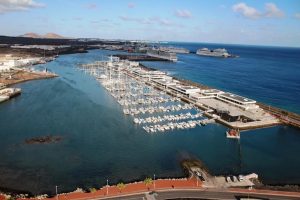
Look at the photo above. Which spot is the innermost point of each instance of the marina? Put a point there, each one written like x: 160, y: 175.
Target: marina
x: 141, y: 100
x: 144, y: 91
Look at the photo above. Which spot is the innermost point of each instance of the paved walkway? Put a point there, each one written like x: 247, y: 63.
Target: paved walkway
x: 268, y: 192
x: 158, y: 185
x: 131, y: 188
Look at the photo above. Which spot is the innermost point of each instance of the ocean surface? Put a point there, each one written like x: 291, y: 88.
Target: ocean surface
x: 100, y: 143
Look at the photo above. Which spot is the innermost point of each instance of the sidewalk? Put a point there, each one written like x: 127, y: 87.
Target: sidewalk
x: 130, y: 188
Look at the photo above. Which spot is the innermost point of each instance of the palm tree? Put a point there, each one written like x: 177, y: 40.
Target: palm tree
x: 92, y: 190
x: 148, y: 181
x: 121, y: 186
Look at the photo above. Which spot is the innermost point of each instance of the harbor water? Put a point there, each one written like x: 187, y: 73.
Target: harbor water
x: 99, y: 142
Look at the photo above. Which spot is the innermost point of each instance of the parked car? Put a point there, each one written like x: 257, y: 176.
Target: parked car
x: 228, y: 180
x: 235, y: 179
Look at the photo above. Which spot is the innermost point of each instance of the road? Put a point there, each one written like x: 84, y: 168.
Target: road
x: 203, y: 194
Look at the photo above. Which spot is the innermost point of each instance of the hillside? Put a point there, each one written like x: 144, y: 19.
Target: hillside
x: 46, y: 36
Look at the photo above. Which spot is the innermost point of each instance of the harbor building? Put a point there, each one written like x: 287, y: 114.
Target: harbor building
x: 165, y: 83
x: 150, y: 75
x: 184, y: 89
x: 205, y: 94
x: 237, y: 100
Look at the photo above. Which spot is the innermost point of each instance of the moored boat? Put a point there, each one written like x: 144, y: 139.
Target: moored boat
x: 233, y: 134
x: 162, y: 54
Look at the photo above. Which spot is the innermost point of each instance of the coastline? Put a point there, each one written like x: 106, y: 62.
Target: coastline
x: 157, y: 185
x: 176, y: 78
x: 23, y: 75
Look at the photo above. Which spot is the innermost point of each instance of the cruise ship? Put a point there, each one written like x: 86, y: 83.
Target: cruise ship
x: 162, y: 54
x: 174, y: 49
x: 215, y: 53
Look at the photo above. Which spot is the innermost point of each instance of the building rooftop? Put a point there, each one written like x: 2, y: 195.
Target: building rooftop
x: 211, y: 91
x: 237, y: 98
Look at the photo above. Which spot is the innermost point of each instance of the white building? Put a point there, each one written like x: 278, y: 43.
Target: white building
x: 165, y: 83
x: 185, y: 90
x: 151, y: 75
x: 237, y: 100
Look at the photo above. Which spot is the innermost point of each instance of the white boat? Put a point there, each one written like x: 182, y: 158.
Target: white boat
x: 214, y: 53
x: 233, y: 134
x: 162, y: 54
x: 174, y: 49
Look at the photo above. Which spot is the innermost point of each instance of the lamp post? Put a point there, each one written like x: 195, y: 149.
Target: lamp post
x: 154, y: 181
x: 56, y: 192
x: 106, y: 186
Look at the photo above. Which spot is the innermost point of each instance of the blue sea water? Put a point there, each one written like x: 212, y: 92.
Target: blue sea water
x: 266, y: 74
x: 100, y: 143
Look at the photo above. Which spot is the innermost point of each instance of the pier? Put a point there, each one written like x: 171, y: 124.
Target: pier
x: 18, y: 75
x: 139, y: 57
x: 286, y: 117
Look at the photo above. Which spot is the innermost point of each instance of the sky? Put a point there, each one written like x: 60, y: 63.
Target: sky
x: 252, y: 22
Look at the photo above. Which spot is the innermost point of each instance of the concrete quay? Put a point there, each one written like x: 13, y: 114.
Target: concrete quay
x: 262, y: 118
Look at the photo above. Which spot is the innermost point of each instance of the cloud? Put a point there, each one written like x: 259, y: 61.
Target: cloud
x: 183, y: 13
x: 297, y: 15
x: 91, y: 6
x: 246, y: 10
x: 77, y: 18
x: 165, y: 22
x: 102, y: 21
x: 151, y: 20
x: 271, y: 11
x: 138, y: 20
x: 18, y: 5
x: 131, y: 5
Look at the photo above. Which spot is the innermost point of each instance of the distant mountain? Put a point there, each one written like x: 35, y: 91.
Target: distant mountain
x: 47, y: 36
x: 31, y: 35
x: 53, y: 36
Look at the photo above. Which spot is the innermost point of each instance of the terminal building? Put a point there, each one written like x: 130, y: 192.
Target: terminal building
x: 237, y: 100
x: 165, y: 83
x: 205, y: 94
x: 151, y: 75
x: 184, y: 90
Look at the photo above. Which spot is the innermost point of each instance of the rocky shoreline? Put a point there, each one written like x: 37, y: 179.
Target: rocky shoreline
x: 48, y: 139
